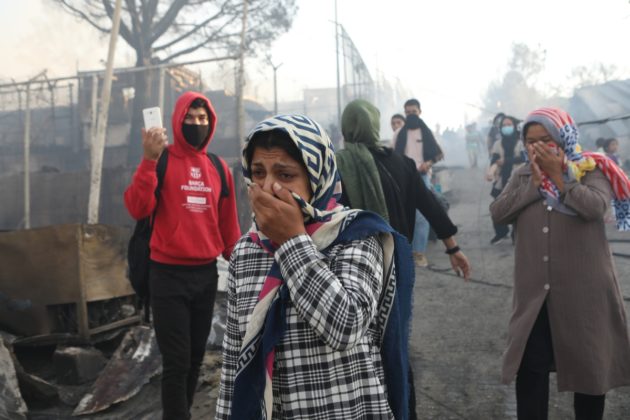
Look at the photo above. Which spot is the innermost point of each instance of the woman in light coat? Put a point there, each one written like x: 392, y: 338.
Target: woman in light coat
x: 505, y: 158
x: 568, y: 313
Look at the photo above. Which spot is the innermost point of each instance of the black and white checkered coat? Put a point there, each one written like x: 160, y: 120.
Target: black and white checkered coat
x: 328, y: 364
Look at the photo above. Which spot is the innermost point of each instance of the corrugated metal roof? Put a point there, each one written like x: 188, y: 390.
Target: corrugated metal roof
x: 598, y: 102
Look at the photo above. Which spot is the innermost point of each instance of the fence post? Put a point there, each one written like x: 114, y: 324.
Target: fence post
x: 161, y: 90
x: 94, y: 112
x: 27, y: 159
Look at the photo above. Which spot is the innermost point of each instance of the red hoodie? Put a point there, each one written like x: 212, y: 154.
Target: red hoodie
x: 193, y: 224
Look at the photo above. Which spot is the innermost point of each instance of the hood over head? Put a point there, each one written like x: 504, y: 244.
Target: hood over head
x: 179, y: 115
x: 360, y: 123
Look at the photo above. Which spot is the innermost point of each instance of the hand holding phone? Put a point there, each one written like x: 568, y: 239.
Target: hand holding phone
x: 153, y: 134
x: 152, y: 117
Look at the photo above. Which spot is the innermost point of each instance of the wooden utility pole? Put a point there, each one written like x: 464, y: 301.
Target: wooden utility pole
x: 98, y: 142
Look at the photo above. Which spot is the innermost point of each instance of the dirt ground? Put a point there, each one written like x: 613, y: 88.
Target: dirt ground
x: 460, y: 329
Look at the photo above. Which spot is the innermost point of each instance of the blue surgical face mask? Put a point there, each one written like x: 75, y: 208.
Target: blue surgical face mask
x: 507, y: 130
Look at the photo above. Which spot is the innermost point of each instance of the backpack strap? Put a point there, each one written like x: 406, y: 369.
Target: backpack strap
x: 216, y: 161
x: 161, y: 171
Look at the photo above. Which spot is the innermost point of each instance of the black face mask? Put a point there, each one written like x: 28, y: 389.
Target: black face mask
x: 195, y: 135
x: 412, y: 122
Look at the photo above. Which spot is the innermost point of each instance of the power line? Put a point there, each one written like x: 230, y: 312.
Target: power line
x: 605, y: 120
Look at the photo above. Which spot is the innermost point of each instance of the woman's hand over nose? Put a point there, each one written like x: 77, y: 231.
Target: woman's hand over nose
x: 278, y: 215
x: 550, y: 162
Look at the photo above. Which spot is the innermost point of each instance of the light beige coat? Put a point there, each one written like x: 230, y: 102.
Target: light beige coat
x: 567, y: 261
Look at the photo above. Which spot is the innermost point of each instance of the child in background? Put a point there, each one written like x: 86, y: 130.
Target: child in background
x: 599, y: 145
x: 611, y: 149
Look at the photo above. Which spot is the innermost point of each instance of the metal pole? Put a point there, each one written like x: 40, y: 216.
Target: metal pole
x: 27, y: 152
x: 71, y: 102
x: 123, y: 70
x: 275, y: 85
x: 99, y: 144
x: 338, y: 77
x: 161, y: 89
x: 275, y: 92
x: 94, y: 113
x: 27, y: 160
x: 240, y: 108
x: 51, y: 88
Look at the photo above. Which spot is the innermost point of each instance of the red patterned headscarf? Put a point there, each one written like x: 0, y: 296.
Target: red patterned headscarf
x: 565, y: 134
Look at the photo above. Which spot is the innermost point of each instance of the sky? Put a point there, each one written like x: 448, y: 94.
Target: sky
x: 444, y: 52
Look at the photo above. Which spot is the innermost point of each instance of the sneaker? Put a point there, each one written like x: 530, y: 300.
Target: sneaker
x: 497, y: 239
x: 420, y: 260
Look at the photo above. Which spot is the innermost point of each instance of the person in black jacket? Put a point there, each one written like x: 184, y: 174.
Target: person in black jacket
x: 381, y: 180
x: 386, y: 182
x: 416, y: 140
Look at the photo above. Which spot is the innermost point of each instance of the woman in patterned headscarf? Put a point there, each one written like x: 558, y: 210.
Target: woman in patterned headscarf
x: 568, y: 313
x: 319, y: 296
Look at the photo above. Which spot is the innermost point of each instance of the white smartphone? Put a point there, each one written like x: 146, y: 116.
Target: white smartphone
x: 152, y: 117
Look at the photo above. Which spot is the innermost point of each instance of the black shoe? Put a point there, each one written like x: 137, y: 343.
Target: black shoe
x: 497, y: 239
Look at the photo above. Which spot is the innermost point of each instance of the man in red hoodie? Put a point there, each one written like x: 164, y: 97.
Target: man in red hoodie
x: 193, y: 225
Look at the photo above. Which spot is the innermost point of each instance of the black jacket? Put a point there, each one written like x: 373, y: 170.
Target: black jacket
x: 405, y: 192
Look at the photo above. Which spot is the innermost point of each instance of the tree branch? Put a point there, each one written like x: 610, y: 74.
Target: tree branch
x: 83, y: 16
x: 137, y: 28
x: 185, y: 51
x: 167, y: 20
x: 149, y: 10
x: 187, y: 34
x: 124, y: 31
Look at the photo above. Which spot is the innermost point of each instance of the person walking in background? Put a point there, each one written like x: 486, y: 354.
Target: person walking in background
x: 494, y: 134
x: 505, y: 157
x: 192, y: 226
x: 378, y: 179
x: 319, y: 296
x: 611, y: 149
x: 599, y: 145
x: 415, y: 140
x: 397, y: 121
x: 474, y: 144
x: 568, y: 313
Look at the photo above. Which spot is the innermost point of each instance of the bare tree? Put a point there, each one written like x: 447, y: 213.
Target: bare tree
x: 516, y: 93
x: 161, y: 30
x: 594, y: 74
x: 529, y: 62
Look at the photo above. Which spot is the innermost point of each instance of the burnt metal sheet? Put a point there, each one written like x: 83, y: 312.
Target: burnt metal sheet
x: 48, y: 267
x: 12, y: 406
x: 134, y: 363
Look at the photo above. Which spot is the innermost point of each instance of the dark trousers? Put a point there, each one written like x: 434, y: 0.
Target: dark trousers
x: 182, y: 300
x: 532, y: 379
x: 501, y: 230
